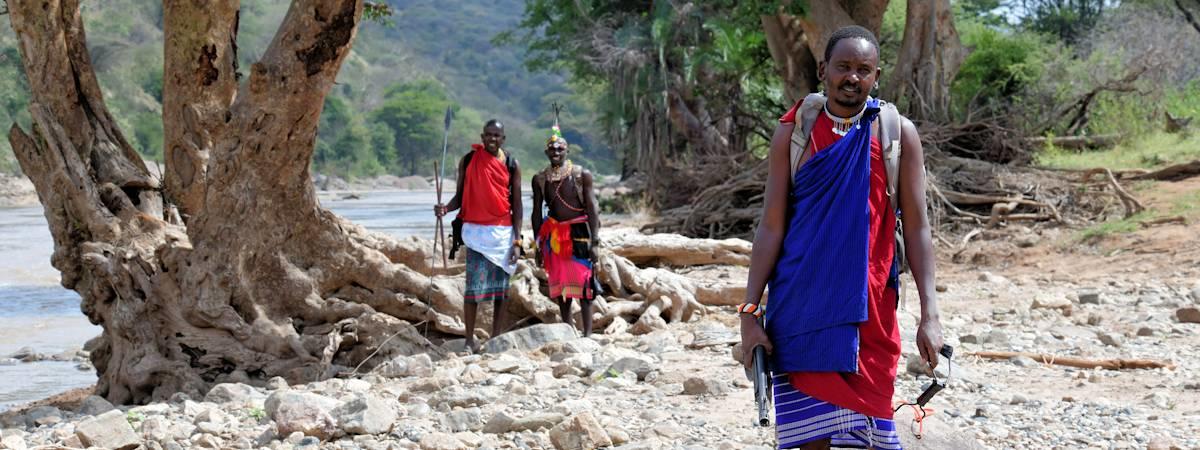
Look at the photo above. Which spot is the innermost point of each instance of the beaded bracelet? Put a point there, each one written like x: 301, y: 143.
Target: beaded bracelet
x: 752, y: 309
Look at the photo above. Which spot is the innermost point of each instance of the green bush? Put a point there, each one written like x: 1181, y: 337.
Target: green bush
x: 148, y: 135
x: 1001, y: 64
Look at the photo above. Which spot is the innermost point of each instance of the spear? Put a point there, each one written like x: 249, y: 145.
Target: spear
x: 440, y: 171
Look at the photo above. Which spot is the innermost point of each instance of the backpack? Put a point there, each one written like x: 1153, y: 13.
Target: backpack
x: 889, y: 137
x: 456, y: 225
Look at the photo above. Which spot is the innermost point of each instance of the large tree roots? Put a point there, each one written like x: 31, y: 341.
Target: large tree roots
x: 643, y: 298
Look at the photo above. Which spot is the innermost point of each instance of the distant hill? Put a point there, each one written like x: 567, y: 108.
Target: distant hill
x: 430, y: 54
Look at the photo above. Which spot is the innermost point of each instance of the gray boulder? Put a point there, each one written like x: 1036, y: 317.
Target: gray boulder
x: 530, y: 338
x: 108, y: 430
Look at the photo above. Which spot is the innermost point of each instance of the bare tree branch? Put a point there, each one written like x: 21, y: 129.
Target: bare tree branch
x: 1188, y: 15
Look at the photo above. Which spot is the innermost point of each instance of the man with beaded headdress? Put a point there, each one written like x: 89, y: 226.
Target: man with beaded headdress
x: 566, y: 231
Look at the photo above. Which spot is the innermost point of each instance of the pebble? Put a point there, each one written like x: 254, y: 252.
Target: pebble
x: 1089, y: 297
x: 704, y: 386
x: 1188, y: 314
x: 1111, y: 339
x: 1024, y: 361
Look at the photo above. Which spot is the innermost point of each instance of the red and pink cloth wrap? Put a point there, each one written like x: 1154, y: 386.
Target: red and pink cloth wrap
x: 569, y: 270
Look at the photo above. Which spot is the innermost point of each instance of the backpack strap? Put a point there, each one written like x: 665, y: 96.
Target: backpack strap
x: 889, y: 137
x: 510, y: 163
x: 810, y: 108
x: 577, y: 179
x: 466, y: 166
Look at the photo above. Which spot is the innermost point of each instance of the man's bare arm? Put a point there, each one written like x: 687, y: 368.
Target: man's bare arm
x: 918, y: 240
x: 772, y: 226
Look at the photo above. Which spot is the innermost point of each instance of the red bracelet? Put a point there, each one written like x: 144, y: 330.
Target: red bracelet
x: 752, y: 309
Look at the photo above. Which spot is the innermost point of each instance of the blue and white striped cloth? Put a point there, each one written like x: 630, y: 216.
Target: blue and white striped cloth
x: 800, y: 418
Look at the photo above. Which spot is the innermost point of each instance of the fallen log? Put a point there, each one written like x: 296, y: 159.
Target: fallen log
x: 1077, y: 142
x: 1163, y: 220
x: 962, y: 198
x: 1109, y: 364
x: 675, y: 250
x: 1172, y: 173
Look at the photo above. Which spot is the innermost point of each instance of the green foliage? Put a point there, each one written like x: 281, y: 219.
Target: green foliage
x: 14, y: 98
x: 400, y: 41
x: 1001, y: 65
x: 1128, y: 114
x: 134, y: 418
x: 147, y: 134
x: 711, y: 56
x: 1122, y: 226
x: 986, y: 12
x: 414, y: 113
x: 345, y: 144
x: 1069, y: 20
x: 891, y: 35
x: 378, y: 12
x: 1146, y: 151
x: 256, y: 413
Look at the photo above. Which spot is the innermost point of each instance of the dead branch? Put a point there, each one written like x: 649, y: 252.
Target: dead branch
x: 1077, y: 142
x: 1109, y: 364
x: 1163, y: 220
x: 1080, y: 106
x: 1173, y: 173
x: 1132, y: 205
x: 1188, y: 15
x: 1177, y: 124
x: 937, y: 192
x: 967, y: 239
x: 960, y: 198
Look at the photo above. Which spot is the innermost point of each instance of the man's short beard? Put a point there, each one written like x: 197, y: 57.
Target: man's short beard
x: 849, y: 104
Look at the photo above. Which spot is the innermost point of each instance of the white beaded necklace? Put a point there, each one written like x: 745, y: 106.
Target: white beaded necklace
x: 841, y: 126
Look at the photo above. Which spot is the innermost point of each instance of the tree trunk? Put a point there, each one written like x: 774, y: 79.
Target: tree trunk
x: 822, y: 18
x: 258, y: 281
x: 793, y: 60
x: 797, y: 44
x: 695, y: 124
x: 930, y: 56
x: 199, y: 84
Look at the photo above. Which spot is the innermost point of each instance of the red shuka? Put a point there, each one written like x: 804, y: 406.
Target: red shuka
x: 485, y: 195
x: 870, y: 390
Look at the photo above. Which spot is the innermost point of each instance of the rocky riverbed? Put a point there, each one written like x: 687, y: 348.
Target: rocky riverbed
x: 676, y: 385
x: 679, y: 387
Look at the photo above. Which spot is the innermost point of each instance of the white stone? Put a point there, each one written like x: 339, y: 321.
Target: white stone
x: 108, y: 430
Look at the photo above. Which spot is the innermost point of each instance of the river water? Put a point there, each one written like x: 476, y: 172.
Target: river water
x: 36, y: 312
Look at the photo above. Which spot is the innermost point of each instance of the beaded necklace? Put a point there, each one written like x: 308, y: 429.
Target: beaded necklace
x: 556, y: 176
x: 841, y: 126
